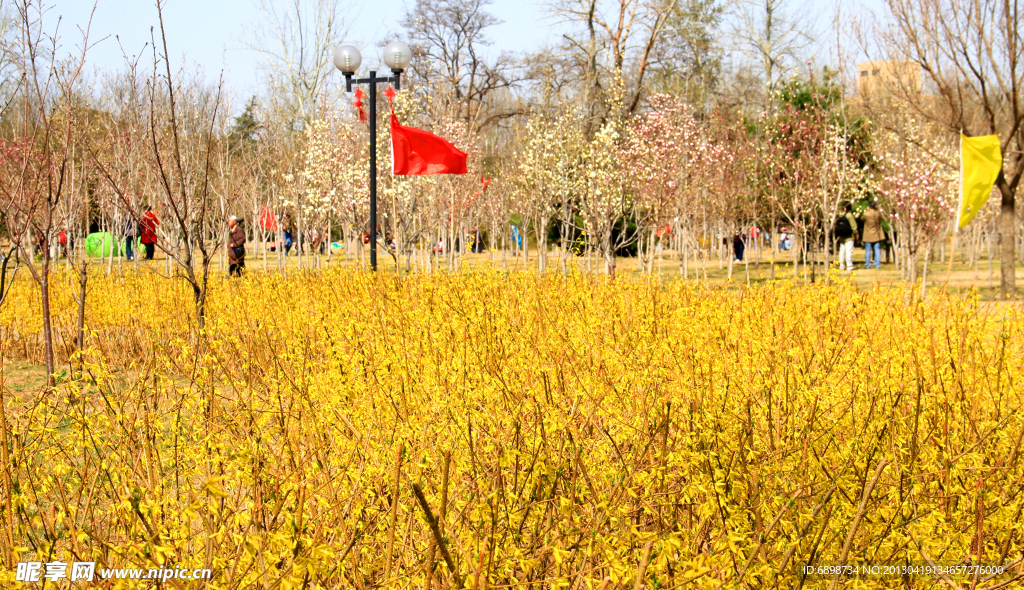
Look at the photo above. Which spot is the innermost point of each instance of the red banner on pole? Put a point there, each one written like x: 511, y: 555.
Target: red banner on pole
x: 416, y: 152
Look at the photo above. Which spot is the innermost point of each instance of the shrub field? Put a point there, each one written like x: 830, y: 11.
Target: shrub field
x: 481, y: 430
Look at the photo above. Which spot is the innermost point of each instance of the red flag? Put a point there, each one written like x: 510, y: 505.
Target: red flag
x: 267, y: 219
x: 417, y: 152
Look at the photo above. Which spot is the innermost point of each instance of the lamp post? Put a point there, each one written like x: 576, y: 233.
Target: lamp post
x: 347, y: 59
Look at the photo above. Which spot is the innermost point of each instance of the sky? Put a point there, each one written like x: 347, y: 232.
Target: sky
x: 213, y: 34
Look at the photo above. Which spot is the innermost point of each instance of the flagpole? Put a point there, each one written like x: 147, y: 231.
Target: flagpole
x: 372, y: 81
x: 347, y: 59
x: 373, y: 170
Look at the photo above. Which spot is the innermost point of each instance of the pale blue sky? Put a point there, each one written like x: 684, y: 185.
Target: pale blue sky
x: 212, y: 33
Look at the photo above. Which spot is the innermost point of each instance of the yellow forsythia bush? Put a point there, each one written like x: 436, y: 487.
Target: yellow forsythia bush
x: 343, y: 430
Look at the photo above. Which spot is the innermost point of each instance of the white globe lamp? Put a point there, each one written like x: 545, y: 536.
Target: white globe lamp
x: 397, y: 56
x: 347, y: 59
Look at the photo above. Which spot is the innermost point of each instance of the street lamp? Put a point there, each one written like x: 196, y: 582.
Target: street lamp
x: 397, y: 56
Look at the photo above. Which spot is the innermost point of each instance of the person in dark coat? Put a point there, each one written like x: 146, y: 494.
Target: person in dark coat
x: 128, y: 232
x: 236, y: 247
x: 738, y: 247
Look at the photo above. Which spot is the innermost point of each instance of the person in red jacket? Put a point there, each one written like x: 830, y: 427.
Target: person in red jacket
x: 148, y: 224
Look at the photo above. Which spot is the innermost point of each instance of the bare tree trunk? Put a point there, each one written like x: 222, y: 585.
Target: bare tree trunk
x: 924, y: 274
x: 1007, y: 258
x: 83, y: 277
x: 44, y: 293
x: 683, y: 245
x: 110, y: 254
x: 795, y: 253
x: 542, y: 246
x: 732, y: 256
x: 812, y: 251
x: 525, y: 237
x: 651, y: 253
x: 990, y: 250
x: 609, y: 254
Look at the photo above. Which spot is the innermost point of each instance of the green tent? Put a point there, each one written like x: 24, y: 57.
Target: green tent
x: 101, y: 243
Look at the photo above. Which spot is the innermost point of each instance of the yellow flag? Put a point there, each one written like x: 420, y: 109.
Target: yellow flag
x: 980, y: 163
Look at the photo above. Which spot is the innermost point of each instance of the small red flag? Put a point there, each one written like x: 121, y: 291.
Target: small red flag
x: 267, y: 219
x: 417, y: 152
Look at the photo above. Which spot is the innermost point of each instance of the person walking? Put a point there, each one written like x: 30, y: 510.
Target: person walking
x: 845, y: 230
x: 39, y: 246
x: 236, y: 247
x: 149, y: 223
x: 738, y: 246
x: 288, y: 231
x: 129, y: 231
x: 872, y: 235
